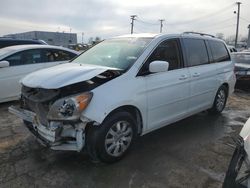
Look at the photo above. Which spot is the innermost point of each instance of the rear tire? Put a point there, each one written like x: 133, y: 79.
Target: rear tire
x: 112, y: 140
x: 27, y: 123
x: 220, y: 100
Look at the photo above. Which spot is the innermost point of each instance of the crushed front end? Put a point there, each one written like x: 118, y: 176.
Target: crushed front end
x: 54, y: 115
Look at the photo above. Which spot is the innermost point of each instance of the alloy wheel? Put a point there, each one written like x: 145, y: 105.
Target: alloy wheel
x: 118, y: 138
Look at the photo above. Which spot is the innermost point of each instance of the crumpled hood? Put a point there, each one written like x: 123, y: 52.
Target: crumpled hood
x: 62, y: 75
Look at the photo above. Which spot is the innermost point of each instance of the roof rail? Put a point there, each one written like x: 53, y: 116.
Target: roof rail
x: 197, y: 33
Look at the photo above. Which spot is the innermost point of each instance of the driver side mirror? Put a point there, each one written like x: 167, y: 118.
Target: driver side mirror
x: 4, y: 64
x: 158, y: 66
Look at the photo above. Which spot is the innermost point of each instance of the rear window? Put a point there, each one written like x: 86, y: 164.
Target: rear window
x: 58, y: 55
x: 196, y: 52
x: 219, y: 51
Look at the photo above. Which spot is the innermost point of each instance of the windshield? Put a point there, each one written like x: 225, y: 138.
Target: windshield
x: 117, y: 53
x: 4, y: 51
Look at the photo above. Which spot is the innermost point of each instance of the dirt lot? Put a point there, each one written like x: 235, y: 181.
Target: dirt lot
x: 190, y: 153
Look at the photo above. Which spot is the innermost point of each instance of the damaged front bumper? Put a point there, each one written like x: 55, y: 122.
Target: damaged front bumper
x: 57, y: 135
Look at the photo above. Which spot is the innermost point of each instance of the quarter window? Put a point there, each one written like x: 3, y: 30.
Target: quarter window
x: 196, y: 52
x: 219, y: 51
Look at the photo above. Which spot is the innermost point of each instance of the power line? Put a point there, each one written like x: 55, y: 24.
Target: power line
x: 139, y: 29
x: 221, y: 28
x: 144, y: 28
x: 204, y: 17
x: 210, y: 16
x: 215, y: 13
x: 244, y: 19
x: 220, y: 22
x: 148, y: 23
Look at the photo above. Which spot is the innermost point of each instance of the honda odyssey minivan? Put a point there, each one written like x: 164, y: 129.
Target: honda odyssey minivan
x: 125, y: 87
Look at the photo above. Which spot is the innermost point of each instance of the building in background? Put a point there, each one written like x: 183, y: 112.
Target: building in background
x: 52, y: 38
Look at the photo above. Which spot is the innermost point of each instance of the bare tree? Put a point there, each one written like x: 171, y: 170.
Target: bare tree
x: 91, y: 40
x: 220, y: 36
x: 230, y: 39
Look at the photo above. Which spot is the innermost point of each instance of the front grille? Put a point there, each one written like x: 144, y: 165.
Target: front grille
x: 40, y: 109
x: 39, y: 101
x: 39, y: 94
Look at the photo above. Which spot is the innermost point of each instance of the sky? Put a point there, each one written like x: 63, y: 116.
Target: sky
x: 109, y: 18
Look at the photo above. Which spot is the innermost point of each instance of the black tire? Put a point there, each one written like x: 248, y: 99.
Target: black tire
x: 98, y: 137
x: 220, y: 100
x: 234, y: 168
x: 27, y: 123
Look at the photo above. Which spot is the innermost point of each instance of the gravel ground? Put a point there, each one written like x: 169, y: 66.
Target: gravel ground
x: 190, y: 153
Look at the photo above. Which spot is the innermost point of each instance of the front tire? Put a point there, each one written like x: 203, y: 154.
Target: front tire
x: 111, y: 141
x: 220, y: 100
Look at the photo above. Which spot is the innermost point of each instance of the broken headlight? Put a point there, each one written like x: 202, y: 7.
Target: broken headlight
x: 69, y: 108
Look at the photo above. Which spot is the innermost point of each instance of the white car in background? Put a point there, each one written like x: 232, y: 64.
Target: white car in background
x: 18, y: 61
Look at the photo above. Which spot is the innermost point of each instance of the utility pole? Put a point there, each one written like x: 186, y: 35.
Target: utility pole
x: 161, y: 25
x: 237, y: 26
x: 248, y: 40
x: 70, y: 35
x: 132, y: 17
x: 82, y: 37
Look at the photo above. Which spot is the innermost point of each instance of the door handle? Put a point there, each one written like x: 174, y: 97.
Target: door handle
x: 183, y: 77
x: 196, y: 74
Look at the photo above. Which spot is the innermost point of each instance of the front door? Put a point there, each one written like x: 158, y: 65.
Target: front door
x: 167, y: 92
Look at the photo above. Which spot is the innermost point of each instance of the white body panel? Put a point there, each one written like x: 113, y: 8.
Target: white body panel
x: 203, y: 85
x: 167, y: 96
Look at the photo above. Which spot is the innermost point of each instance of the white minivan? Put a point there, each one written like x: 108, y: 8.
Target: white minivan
x: 124, y: 87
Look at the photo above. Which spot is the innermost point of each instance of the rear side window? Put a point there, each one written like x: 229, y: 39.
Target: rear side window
x: 219, y: 51
x: 25, y: 57
x: 196, y: 52
x: 58, y: 55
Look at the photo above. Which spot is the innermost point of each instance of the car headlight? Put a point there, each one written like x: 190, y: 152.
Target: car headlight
x: 69, y: 108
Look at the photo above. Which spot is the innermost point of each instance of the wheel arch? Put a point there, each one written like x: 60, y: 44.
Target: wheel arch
x: 227, y: 86
x: 134, y: 111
